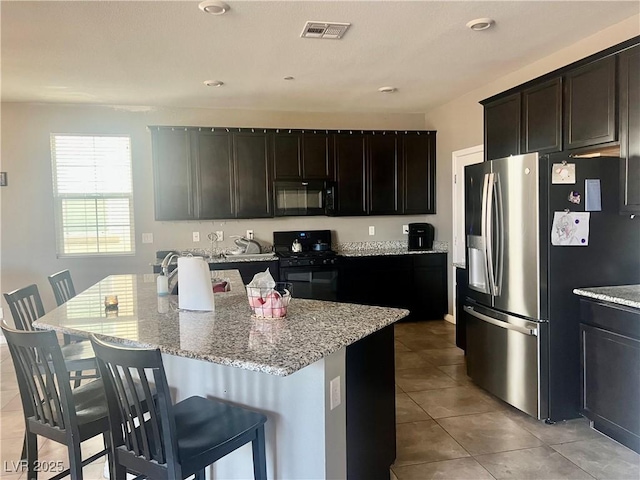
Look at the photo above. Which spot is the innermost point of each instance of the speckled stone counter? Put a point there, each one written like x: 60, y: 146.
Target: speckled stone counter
x: 229, y: 336
x: 371, y: 249
x: 230, y: 259
x: 628, y: 295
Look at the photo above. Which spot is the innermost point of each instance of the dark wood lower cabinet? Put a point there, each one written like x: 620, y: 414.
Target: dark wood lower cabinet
x: 370, y: 402
x: 416, y: 282
x: 462, y: 283
x: 610, y: 360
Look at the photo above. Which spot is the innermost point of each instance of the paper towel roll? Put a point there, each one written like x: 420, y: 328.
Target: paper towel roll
x: 194, y: 285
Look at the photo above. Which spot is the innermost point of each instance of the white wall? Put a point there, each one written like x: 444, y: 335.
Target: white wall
x: 28, y: 236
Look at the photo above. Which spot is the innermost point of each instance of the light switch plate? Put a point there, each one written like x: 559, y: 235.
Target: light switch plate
x: 334, y: 393
x: 405, y: 229
x: 196, y: 236
x: 372, y: 230
x: 147, y: 238
x: 219, y: 235
x: 250, y: 234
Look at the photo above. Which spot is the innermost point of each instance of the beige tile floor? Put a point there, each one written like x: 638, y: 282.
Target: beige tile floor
x: 447, y: 428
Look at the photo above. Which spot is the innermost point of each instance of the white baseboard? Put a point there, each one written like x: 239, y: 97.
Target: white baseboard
x: 450, y: 318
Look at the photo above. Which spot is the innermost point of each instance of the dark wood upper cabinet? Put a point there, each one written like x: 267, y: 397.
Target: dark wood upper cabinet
x: 590, y: 104
x: 302, y: 156
x: 317, y: 160
x: 213, y: 174
x: 350, y: 161
x: 630, y: 130
x: 253, y: 183
x: 419, y: 173
x: 210, y: 173
x: 542, y: 117
x: 502, y: 127
x: 173, y: 174
x: 384, y: 175
x: 287, y: 156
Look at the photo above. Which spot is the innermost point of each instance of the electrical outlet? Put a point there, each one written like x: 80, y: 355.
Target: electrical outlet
x: 405, y: 229
x: 250, y: 234
x: 196, y: 236
x: 149, y: 278
x: 219, y: 235
x: 147, y: 238
x: 334, y: 393
x: 372, y: 230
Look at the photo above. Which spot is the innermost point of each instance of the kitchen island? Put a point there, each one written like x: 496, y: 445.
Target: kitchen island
x: 284, y: 368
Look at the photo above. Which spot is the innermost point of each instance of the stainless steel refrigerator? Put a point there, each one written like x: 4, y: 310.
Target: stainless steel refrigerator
x: 521, y: 316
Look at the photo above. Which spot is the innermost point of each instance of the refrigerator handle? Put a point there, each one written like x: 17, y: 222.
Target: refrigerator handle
x: 499, y: 261
x: 488, y: 232
x: 498, y: 323
x: 486, y: 187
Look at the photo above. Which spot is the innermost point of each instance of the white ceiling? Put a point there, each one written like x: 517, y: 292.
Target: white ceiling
x: 159, y: 53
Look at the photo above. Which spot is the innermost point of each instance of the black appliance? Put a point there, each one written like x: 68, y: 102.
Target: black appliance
x: 303, y: 198
x: 421, y: 236
x: 526, y: 252
x: 312, y: 272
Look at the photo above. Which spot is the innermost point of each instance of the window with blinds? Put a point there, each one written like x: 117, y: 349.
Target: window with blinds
x: 93, y: 194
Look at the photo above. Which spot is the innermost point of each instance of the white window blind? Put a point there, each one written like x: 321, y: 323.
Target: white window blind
x: 93, y: 194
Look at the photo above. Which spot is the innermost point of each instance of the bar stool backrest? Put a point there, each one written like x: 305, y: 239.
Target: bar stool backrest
x: 25, y: 305
x: 62, y: 286
x: 144, y: 430
x: 42, y: 376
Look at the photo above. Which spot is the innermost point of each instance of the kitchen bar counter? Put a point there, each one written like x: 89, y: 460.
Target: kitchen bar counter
x: 229, y: 336
x: 627, y: 295
x: 313, y: 374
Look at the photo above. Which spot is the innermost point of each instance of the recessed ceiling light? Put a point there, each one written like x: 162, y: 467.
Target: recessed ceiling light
x: 480, y: 24
x: 213, y: 83
x: 213, y: 7
x: 387, y: 89
x: 289, y: 77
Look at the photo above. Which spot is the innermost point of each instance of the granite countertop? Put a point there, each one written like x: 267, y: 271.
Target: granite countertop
x: 229, y: 259
x: 229, y: 336
x: 628, y: 295
x: 371, y: 249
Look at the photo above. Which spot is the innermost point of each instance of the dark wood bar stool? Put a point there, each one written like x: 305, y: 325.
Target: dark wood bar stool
x: 172, y: 441
x: 64, y: 290
x: 62, y: 286
x: 26, y: 307
x: 51, y: 408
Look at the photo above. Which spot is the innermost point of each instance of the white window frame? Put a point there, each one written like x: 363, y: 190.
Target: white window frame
x: 60, y: 197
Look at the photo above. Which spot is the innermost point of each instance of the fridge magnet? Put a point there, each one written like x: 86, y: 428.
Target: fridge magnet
x: 563, y: 173
x: 574, y: 197
x: 592, y: 196
x: 570, y: 229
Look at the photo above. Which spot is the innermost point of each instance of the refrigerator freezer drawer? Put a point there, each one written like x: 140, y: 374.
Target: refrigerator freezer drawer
x: 509, y: 360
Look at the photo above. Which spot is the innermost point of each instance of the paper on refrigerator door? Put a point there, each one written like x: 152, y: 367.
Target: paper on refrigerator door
x: 570, y: 229
x: 194, y: 284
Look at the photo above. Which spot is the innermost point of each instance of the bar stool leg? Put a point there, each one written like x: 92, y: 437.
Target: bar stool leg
x: 259, y: 456
x: 31, y: 441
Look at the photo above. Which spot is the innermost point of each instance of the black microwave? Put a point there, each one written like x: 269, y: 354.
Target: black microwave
x: 313, y: 197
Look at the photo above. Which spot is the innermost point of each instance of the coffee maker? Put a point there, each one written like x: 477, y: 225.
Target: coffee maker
x: 420, y: 236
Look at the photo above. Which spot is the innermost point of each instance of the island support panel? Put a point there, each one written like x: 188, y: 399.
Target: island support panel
x: 371, y: 406
x: 305, y: 438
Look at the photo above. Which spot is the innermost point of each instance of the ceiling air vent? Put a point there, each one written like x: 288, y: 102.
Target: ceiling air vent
x: 331, y: 30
